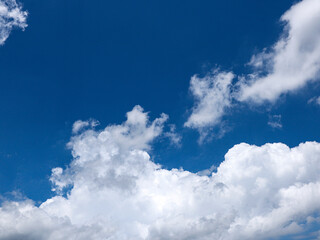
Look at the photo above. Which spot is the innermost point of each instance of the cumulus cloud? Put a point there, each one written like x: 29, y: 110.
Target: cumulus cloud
x: 112, y: 190
x: 11, y: 16
x: 293, y: 61
x: 23, y: 220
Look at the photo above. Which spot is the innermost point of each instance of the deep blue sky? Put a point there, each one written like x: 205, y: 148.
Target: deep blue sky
x: 97, y: 59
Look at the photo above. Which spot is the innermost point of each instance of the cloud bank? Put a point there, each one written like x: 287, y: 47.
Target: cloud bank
x: 291, y: 63
x: 113, y: 190
x: 11, y: 16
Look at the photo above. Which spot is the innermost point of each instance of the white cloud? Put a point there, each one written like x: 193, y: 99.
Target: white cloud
x: 79, y: 125
x: 116, y: 192
x: 11, y: 16
x: 174, y: 137
x: 212, y: 96
x: 23, y: 220
x: 315, y: 100
x: 293, y: 61
x: 275, y: 121
x: 290, y: 64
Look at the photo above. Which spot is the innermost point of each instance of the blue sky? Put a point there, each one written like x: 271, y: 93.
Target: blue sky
x: 82, y: 60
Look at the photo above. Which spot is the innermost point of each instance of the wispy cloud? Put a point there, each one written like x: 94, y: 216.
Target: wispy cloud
x: 174, y: 137
x: 275, y: 121
x: 315, y: 100
x: 11, y: 16
x: 79, y: 125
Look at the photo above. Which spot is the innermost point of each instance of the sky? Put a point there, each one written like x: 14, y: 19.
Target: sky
x: 159, y: 119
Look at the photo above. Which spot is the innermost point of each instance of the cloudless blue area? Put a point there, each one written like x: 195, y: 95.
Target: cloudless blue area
x: 97, y: 59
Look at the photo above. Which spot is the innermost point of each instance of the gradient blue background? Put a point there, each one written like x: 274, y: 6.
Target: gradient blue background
x: 97, y: 59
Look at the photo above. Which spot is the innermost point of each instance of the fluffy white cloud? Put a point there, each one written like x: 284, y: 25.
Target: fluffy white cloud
x: 212, y: 96
x: 115, y: 191
x: 11, y: 15
x: 23, y: 220
x: 293, y: 61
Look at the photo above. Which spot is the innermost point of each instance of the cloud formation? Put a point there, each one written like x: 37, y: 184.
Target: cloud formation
x: 275, y: 121
x: 79, y: 125
x: 314, y: 100
x: 212, y: 96
x: 173, y: 136
x: 112, y: 190
x: 291, y: 63
x: 11, y: 16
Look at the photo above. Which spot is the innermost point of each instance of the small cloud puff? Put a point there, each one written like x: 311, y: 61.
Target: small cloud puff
x: 314, y: 100
x: 275, y: 121
x: 212, y: 95
x: 80, y: 125
x: 174, y: 137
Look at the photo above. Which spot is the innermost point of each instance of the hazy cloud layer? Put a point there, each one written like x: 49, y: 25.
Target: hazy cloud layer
x: 114, y: 191
x: 11, y: 16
